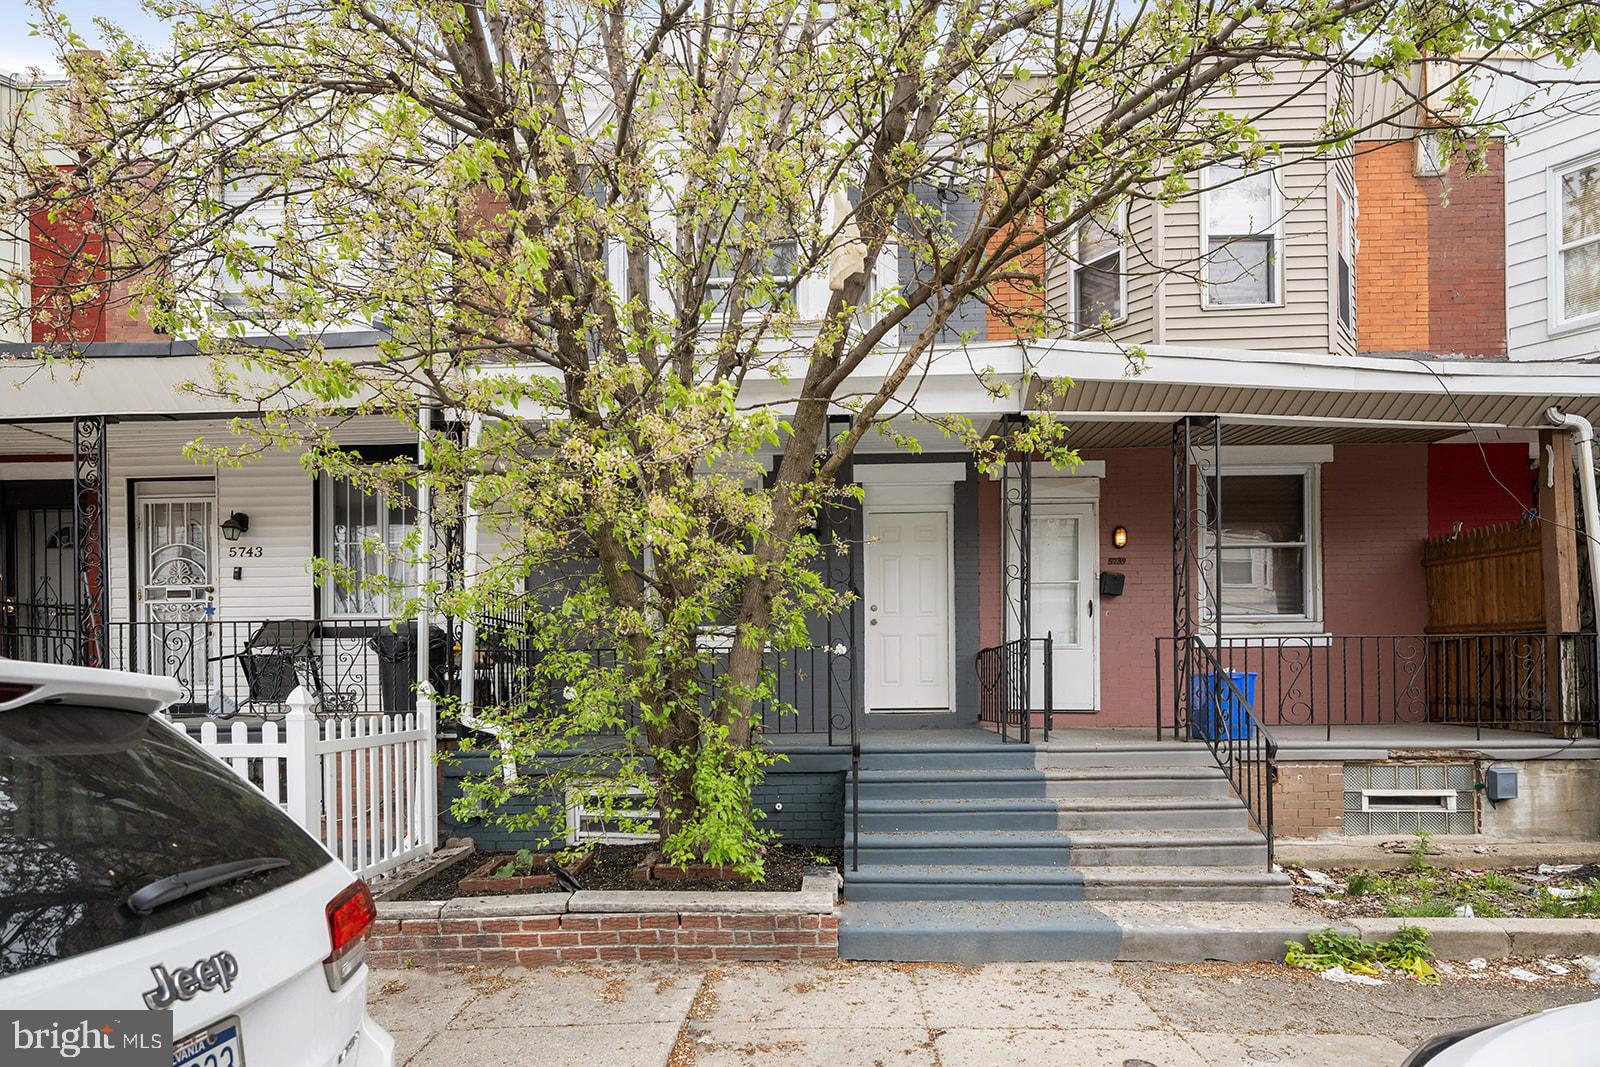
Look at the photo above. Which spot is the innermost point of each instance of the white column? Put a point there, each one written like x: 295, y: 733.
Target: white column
x: 424, y: 791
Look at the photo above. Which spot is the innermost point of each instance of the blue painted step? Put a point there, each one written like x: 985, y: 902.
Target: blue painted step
x: 976, y: 931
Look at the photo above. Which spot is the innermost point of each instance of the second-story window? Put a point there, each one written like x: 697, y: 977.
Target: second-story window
x: 1577, y: 243
x: 771, y: 266
x: 1344, y: 236
x: 257, y: 220
x: 1097, y: 273
x: 1242, y: 236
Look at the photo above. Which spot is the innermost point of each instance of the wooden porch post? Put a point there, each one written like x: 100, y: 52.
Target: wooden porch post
x: 1558, y: 555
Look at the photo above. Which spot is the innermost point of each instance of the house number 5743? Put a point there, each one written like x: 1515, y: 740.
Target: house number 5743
x: 244, y: 551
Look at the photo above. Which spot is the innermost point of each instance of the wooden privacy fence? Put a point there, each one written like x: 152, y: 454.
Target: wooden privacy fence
x: 1495, y: 654
x: 363, y: 786
x: 1486, y: 580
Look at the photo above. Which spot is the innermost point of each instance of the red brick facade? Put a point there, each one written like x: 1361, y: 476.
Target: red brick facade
x: 1431, y: 269
x: 667, y: 937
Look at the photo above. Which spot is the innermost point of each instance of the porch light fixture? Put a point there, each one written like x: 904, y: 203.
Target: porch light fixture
x: 235, y: 525
x: 1119, y: 537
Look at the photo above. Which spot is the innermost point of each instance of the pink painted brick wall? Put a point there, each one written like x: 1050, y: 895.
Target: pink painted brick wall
x: 1374, y: 519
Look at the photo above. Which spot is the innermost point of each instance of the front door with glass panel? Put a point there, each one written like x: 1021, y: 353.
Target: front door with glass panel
x: 1062, y: 552
x: 177, y: 583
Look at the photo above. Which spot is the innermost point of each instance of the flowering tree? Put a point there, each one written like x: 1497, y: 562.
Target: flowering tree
x: 591, y: 231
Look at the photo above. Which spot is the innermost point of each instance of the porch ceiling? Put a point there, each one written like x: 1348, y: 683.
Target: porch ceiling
x: 1268, y: 398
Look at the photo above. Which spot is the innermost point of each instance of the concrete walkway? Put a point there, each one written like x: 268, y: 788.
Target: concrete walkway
x: 1005, y: 1014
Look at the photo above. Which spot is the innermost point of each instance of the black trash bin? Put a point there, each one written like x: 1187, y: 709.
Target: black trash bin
x: 397, y: 665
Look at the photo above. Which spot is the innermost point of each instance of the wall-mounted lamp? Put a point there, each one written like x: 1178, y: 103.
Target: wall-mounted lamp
x: 1119, y: 537
x: 235, y: 525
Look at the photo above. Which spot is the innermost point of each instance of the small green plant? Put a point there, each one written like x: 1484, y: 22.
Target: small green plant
x: 1358, y: 884
x: 1586, y: 905
x: 821, y: 861
x: 521, y: 865
x: 1419, y: 854
x: 1407, y: 953
x: 1495, y: 882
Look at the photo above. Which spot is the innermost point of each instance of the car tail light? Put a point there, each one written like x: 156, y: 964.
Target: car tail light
x: 350, y: 916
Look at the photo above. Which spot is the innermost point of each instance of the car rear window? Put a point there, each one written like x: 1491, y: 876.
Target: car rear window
x: 97, y: 803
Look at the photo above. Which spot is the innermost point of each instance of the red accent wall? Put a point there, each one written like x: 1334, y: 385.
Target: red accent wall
x: 64, y: 252
x: 1463, y: 486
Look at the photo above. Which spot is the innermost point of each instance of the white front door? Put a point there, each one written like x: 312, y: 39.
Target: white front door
x: 1063, y: 550
x: 908, y: 610
x: 177, y: 585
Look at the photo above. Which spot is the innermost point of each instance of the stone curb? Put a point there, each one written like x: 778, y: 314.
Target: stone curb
x: 818, y: 893
x: 1465, y: 939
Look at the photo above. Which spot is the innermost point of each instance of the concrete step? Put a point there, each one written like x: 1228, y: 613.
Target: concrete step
x: 1059, y: 848
x: 1031, y: 813
x: 1149, y: 754
x: 919, y: 783
x: 945, y: 756
x: 1138, y: 782
x: 962, y: 882
x: 959, y: 931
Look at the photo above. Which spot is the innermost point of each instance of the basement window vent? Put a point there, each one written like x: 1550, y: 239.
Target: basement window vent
x: 1408, y: 800
x: 588, y: 819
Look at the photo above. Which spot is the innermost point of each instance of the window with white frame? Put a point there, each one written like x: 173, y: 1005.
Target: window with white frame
x: 257, y: 221
x: 364, y: 534
x: 775, y: 263
x: 1098, y: 290
x: 1344, y: 235
x: 1270, y: 571
x: 1577, y: 243
x: 1243, y: 236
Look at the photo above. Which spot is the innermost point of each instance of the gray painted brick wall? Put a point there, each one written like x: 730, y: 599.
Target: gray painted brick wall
x: 970, y: 317
x: 812, y: 795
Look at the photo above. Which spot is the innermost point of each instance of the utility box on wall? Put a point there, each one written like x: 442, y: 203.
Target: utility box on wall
x: 1500, y: 783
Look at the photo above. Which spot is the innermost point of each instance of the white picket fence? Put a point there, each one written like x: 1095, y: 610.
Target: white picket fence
x: 364, y: 786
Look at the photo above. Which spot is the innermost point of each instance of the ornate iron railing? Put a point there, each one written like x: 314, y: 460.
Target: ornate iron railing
x: 1484, y: 680
x: 1214, y: 708
x: 233, y: 667
x: 1005, y: 688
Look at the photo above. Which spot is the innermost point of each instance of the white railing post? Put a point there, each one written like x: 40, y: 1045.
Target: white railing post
x: 304, y: 778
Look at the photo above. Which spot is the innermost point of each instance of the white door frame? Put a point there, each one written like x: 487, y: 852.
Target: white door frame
x: 1089, y: 531
x: 1081, y: 488
x: 948, y: 509
x: 184, y: 491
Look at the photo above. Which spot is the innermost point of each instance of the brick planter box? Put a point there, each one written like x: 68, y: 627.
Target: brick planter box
x: 482, y: 879
x: 627, y: 926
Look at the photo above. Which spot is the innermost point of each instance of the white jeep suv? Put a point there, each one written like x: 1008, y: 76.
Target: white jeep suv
x: 137, y: 871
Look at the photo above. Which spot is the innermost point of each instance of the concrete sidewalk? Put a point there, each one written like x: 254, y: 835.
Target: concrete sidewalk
x: 1006, y: 1014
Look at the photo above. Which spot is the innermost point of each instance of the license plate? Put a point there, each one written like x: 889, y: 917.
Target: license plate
x: 216, y: 1046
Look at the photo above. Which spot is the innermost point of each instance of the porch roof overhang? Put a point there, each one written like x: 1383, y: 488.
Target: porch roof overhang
x: 1286, y: 398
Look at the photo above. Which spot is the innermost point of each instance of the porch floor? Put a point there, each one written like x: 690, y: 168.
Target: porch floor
x: 1342, y: 742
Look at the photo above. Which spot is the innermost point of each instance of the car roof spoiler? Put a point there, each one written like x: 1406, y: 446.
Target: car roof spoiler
x: 23, y: 684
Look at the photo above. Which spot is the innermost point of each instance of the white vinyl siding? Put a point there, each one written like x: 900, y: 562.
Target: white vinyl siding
x: 1163, y: 293
x: 1559, y: 134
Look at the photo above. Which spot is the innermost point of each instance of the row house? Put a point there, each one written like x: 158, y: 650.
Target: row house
x: 1323, y: 565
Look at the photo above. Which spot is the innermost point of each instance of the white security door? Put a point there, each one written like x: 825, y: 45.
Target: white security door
x: 177, y: 586
x: 908, y: 610
x: 1064, y: 546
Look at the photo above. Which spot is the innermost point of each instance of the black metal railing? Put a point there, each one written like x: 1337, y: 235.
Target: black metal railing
x: 232, y: 667
x: 1219, y: 712
x: 808, y: 691
x: 1485, y: 680
x: 1005, y: 687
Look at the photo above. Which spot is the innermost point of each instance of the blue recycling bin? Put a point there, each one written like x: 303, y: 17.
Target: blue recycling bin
x: 1216, y: 712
